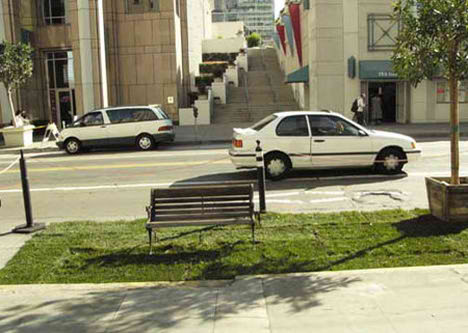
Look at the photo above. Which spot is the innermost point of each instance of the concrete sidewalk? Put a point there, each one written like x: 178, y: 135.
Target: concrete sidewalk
x: 420, y: 299
x: 222, y: 133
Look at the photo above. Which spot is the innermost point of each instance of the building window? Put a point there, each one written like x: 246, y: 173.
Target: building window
x: 443, y: 92
x: 54, y: 11
x: 382, y: 32
x: 142, y: 6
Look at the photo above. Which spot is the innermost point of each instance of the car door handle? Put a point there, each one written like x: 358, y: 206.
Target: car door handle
x: 319, y: 140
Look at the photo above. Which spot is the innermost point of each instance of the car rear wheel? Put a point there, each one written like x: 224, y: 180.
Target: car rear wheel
x: 72, y: 146
x: 277, y: 165
x: 390, y: 161
x: 145, y: 142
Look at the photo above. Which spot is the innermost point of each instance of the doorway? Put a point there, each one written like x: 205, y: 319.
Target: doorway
x: 383, y: 93
x: 66, y: 108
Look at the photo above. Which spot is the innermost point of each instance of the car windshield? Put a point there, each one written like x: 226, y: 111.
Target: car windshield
x: 262, y: 123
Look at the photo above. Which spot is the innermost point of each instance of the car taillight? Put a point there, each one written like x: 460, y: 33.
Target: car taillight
x: 165, y: 128
x: 237, y: 143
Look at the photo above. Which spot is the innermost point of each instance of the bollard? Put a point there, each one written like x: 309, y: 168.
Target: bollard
x: 261, y: 177
x: 29, y: 227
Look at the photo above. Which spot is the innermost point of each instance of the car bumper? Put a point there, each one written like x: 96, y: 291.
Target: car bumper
x: 164, y: 137
x: 413, y: 155
x: 242, y: 160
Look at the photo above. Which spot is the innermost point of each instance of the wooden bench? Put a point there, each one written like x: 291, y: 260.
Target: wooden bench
x: 200, y: 206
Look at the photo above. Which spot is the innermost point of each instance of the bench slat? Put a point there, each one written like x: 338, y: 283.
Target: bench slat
x: 209, y: 205
x: 178, y: 211
x: 195, y: 223
x: 198, y: 199
x: 205, y: 191
x: 194, y: 217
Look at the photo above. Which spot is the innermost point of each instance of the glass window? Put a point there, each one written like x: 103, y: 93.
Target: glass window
x: 293, y: 126
x: 262, y: 123
x: 54, y: 11
x: 443, y: 92
x: 130, y: 115
x: 331, y: 126
x: 60, y: 69
x: 92, y: 119
x: 142, y: 6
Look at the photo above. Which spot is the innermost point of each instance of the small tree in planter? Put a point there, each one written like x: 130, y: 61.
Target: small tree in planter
x: 16, y: 67
x: 434, y: 41
x: 254, y: 40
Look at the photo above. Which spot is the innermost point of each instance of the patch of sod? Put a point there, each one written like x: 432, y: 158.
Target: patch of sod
x: 90, y: 252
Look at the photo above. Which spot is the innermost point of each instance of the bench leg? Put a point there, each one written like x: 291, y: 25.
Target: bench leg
x: 150, y: 235
x: 253, y: 232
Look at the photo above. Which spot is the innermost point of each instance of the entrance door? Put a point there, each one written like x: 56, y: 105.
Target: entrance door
x: 65, y: 106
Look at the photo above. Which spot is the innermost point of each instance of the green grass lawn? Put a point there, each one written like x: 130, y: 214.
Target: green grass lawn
x: 78, y: 252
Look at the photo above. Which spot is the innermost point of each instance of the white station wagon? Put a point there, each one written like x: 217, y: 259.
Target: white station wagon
x: 143, y: 126
x: 319, y: 140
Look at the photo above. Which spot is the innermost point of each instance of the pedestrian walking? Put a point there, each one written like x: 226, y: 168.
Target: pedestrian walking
x: 361, y: 104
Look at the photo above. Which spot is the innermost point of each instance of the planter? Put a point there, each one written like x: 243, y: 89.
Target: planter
x: 448, y: 202
x: 18, y: 137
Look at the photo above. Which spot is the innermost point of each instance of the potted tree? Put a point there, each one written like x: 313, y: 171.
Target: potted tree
x: 433, y: 41
x: 16, y: 67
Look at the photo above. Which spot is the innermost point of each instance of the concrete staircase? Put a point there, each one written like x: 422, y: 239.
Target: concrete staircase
x: 261, y: 91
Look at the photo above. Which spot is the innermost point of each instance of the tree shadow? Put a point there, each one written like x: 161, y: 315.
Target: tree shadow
x: 126, y: 308
x: 421, y: 226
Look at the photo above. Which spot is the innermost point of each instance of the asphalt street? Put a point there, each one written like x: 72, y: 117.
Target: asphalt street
x: 104, y: 185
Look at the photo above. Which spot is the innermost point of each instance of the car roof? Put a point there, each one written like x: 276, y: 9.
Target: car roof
x: 125, y: 107
x: 301, y: 113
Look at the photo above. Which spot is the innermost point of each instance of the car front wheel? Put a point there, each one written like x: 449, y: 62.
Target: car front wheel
x: 72, y: 146
x: 145, y: 142
x: 277, y: 165
x: 390, y: 161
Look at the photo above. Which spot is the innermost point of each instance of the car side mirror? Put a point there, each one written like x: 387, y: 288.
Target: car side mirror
x: 362, y: 133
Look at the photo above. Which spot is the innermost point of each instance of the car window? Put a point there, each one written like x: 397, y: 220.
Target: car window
x: 92, y: 119
x: 161, y: 114
x: 331, y: 126
x: 293, y: 126
x: 262, y: 123
x: 130, y: 115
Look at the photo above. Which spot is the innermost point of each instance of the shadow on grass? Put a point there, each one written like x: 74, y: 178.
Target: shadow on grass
x: 421, y: 226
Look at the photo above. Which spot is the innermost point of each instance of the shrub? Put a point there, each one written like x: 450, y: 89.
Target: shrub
x: 254, y: 40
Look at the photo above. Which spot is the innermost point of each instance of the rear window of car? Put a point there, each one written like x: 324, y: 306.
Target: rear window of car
x: 130, y: 115
x: 262, y: 123
x: 161, y: 114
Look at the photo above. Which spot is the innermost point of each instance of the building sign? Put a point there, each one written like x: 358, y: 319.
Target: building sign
x: 376, y: 70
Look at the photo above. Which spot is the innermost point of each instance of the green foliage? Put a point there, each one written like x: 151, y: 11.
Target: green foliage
x: 254, y: 39
x: 433, y: 39
x: 203, y: 81
x: 16, y: 65
x: 217, y: 68
x: 87, y: 252
x: 229, y: 57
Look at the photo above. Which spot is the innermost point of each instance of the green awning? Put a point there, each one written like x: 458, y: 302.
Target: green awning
x: 301, y: 75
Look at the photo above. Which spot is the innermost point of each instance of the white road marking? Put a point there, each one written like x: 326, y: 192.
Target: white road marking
x: 329, y: 200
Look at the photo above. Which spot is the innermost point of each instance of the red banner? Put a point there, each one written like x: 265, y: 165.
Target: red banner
x: 295, y: 14
x: 282, y: 36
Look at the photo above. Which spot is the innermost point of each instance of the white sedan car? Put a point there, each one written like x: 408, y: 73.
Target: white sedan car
x: 319, y: 140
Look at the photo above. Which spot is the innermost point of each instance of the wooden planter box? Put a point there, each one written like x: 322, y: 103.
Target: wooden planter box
x: 448, y: 202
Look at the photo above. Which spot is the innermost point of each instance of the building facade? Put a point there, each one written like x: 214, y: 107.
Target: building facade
x: 331, y: 51
x: 258, y: 15
x: 152, y: 47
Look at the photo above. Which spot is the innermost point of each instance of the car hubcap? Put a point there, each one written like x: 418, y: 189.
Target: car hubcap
x: 145, y: 142
x: 72, y: 146
x: 391, y: 162
x: 276, y: 167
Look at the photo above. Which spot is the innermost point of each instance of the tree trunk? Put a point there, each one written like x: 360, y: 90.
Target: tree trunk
x: 455, y: 132
x: 12, y: 108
